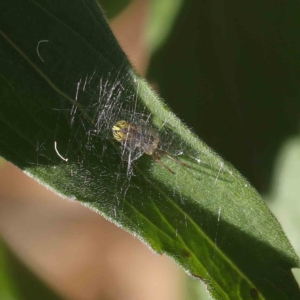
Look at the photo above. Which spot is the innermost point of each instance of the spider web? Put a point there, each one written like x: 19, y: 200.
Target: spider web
x: 100, y: 102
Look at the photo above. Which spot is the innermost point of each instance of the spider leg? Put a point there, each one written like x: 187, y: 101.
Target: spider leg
x: 174, y: 159
x: 162, y: 164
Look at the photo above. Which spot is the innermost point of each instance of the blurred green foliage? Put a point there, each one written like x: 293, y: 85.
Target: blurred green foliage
x: 285, y: 195
x: 163, y: 15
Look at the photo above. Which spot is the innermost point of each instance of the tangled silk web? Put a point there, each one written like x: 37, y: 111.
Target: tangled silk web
x: 110, y: 164
x: 102, y: 102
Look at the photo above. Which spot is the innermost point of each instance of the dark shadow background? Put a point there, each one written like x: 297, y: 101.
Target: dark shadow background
x: 230, y: 70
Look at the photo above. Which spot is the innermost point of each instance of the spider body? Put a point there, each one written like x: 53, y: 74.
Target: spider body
x: 143, y: 137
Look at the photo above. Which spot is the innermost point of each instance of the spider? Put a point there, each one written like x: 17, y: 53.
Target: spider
x: 141, y: 136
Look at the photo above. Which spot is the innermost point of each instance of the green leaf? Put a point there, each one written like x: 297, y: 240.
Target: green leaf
x: 284, y: 195
x: 162, y: 17
x: 66, y: 82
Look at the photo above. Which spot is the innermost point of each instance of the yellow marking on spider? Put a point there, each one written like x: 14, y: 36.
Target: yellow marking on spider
x: 142, y: 136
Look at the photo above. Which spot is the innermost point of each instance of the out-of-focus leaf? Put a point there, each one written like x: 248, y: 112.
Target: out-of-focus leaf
x: 284, y: 196
x: 161, y: 20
